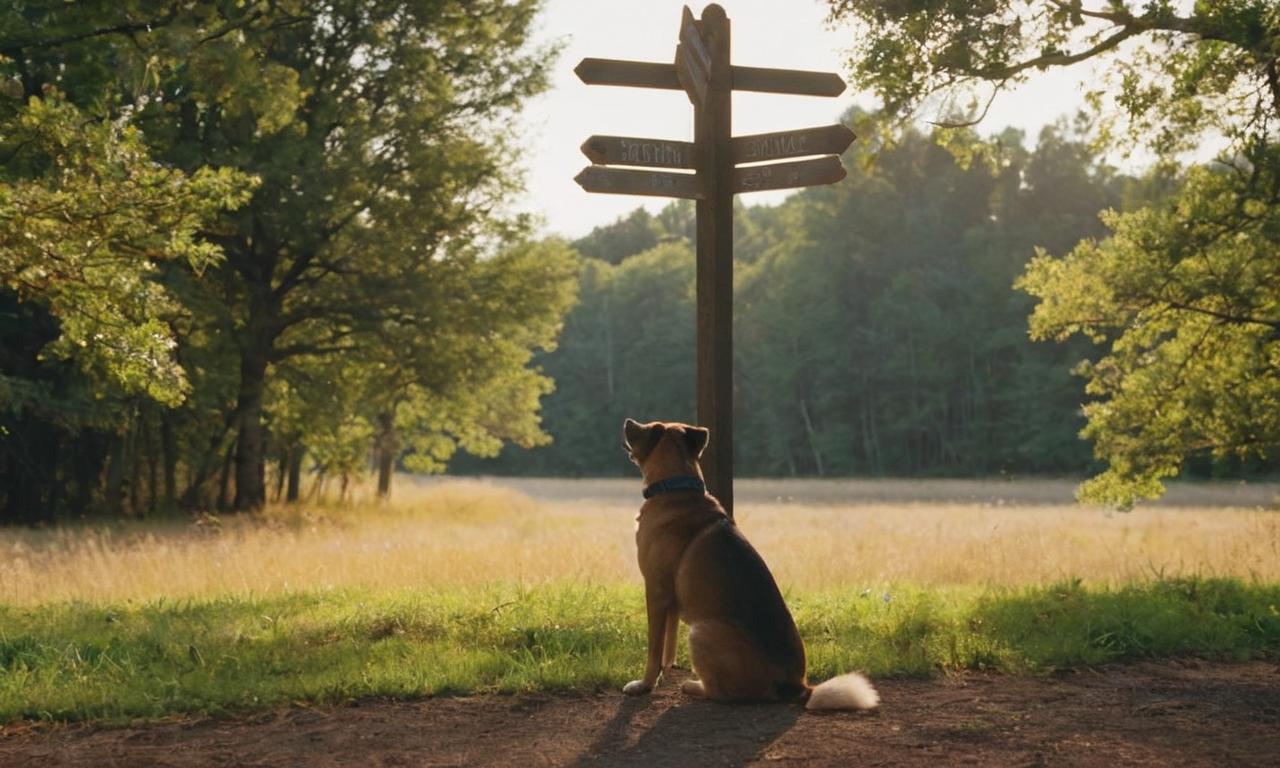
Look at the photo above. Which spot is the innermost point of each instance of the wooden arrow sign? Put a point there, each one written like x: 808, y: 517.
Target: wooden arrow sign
x: 636, y: 74
x: 801, y: 82
x: 652, y: 74
x: 827, y: 140
x: 801, y: 173
x: 618, y: 181
x: 649, y: 153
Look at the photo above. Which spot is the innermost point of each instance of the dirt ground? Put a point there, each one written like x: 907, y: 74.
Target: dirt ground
x: 1185, y: 713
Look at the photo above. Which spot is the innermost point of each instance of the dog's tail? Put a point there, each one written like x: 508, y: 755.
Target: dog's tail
x: 849, y: 691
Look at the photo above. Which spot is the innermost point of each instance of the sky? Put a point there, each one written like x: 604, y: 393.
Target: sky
x: 786, y: 34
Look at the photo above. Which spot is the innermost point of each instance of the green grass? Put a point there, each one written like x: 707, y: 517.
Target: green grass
x: 122, y: 661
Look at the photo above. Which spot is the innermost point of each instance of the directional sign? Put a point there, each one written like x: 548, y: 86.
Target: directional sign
x: 725, y: 165
x: 827, y: 140
x: 800, y: 173
x: 618, y: 181
x: 801, y: 82
x: 652, y: 74
x: 636, y: 74
x: 650, y: 153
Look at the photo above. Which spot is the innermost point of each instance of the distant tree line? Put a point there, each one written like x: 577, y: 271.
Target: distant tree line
x: 877, y: 331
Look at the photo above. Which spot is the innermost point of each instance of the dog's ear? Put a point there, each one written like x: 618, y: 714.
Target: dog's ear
x: 632, y: 434
x: 696, y: 440
x: 641, y: 439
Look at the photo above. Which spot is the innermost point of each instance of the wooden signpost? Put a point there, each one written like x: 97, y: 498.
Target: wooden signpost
x: 711, y: 169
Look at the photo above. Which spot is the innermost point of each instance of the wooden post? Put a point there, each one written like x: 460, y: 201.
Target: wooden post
x: 702, y: 69
x: 713, y: 131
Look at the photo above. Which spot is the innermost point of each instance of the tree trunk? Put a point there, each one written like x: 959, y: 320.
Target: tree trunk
x: 296, y: 452
x: 386, y: 443
x: 811, y: 436
x: 169, y: 447
x: 251, y: 485
x: 89, y: 458
x: 282, y: 470
x: 114, y: 494
x: 224, y: 481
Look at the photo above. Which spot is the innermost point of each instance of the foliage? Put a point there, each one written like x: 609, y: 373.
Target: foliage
x: 114, y: 661
x: 85, y: 216
x: 377, y: 131
x: 1189, y: 291
x: 1173, y: 73
x: 1182, y: 292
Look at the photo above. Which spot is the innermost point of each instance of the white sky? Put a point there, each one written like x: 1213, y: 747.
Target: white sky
x: 766, y: 33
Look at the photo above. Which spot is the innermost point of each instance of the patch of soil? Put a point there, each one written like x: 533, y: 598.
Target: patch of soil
x: 1185, y: 713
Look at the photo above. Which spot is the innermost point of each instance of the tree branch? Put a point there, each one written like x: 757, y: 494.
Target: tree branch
x: 119, y: 29
x: 1055, y: 59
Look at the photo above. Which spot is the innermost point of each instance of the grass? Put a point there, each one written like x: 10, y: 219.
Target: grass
x: 121, y: 661
x: 471, y: 534
x: 463, y: 587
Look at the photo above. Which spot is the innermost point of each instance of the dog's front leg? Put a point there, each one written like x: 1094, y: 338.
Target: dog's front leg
x: 659, y: 604
x: 669, y: 640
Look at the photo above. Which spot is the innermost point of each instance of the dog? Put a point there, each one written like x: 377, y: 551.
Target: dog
x: 697, y: 566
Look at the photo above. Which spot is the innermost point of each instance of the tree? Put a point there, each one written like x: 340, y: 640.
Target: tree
x: 1187, y: 293
x: 379, y: 130
x: 87, y: 220
x: 1182, y: 292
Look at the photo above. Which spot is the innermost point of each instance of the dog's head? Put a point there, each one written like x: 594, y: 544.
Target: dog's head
x: 664, y: 447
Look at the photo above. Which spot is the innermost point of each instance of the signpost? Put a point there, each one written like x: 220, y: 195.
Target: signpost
x: 721, y: 166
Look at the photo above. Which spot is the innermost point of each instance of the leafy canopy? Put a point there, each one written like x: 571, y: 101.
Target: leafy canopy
x: 1184, y: 293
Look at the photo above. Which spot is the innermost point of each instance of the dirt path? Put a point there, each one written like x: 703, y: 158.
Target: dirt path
x: 1182, y: 714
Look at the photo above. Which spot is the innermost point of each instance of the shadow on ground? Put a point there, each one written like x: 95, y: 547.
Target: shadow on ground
x: 690, y: 733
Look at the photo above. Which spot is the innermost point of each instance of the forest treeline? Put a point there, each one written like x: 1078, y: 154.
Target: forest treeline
x: 877, y: 329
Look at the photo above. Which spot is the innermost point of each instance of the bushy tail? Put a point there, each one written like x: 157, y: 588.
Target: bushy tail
x: 850, y: 691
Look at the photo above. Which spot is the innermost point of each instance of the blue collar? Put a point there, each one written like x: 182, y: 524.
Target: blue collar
x: 678, y: 483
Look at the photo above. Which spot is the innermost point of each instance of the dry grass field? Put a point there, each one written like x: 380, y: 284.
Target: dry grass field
x: 815, y: 535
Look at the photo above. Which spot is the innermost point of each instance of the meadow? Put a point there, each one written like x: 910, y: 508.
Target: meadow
x: 459, y: 586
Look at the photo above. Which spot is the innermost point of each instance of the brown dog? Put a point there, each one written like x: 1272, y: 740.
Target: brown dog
x: 698, y: 567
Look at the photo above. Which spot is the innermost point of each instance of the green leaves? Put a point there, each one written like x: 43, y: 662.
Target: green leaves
x: 1185, y: 296
x: 83, y: 235
x: 1179, y: 77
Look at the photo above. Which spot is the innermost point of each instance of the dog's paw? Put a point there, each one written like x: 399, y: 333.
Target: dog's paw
x: 636, y: 688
